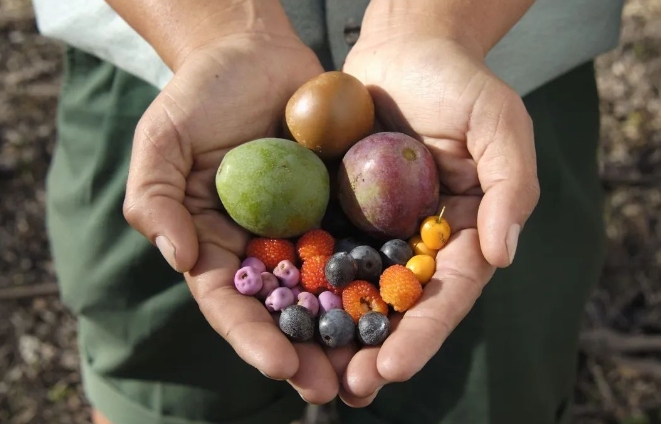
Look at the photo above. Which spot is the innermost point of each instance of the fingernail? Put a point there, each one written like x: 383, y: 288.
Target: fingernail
x: 269, y: 377
x: 167, y: 250
x: 512, y: 240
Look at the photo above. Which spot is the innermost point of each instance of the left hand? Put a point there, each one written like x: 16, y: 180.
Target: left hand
x: 481, y: 136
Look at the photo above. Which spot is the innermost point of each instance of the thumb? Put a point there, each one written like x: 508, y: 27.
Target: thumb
x: 156, y: 187
x: 501, y: 140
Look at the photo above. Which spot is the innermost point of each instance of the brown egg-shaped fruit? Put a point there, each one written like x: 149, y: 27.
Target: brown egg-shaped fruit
x: 330, y: 113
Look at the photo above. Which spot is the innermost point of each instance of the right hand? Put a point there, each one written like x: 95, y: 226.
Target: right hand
x: 222, y: 94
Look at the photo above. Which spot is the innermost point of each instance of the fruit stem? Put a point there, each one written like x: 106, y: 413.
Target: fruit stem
x: 440, y: 216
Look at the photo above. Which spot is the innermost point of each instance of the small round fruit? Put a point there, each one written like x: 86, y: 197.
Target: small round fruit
x: 259, y: 185
x: 297, y: 323
x: 287, y: 273
x: 310, y: 301
x: 369, y: 263
x: 336, y: 328
x: 373, y: 328
x: 420, y: 248
x: 435, y: 231
x: 329, y: 113
x: 279, y: 299
x: 340, y: 269
x: 254, y: 262
x: 329, y: 300
x: 248, y: 280
x: 270, y: 283
x: 423, y: 266
x: 396, y: 252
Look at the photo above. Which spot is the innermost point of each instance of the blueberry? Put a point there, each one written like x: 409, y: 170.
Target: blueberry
x: 340, y: 269
x: 369, y: 263
x: 373, y: 328
x: 336, y: 328
x: 396, y: 251
x: 297, y: 323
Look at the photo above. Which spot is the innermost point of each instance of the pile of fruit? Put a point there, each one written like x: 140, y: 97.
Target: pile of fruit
x: 345, y: 220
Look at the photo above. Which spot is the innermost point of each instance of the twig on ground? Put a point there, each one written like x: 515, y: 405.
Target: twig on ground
x: 605, y: 341
x: 31, y: 290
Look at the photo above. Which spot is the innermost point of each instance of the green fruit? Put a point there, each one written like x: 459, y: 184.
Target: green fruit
x: 273, y: 187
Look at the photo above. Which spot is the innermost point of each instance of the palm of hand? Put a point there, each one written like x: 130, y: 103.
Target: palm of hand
x: 480, y: 135
x: 219, y: 98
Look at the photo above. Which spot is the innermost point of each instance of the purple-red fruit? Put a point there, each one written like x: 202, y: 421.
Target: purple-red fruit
x: 270, y: 283
x: 388, y: 183
x: 279, y: 299
x: 255, y: 263
x: 248, y: 281
x: 287, y: 273
x: 297, y: 289
x: 329, y: 300
x: 310, y: 301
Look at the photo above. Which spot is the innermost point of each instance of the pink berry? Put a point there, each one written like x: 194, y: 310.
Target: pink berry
x: 255, y: 263
x: 279, y: 299
x: 297, y: 289
x: 287, y: 273
x: 270, y: 283
x: 309, y: 301
x: 329, y: 300
x: 248, y: 281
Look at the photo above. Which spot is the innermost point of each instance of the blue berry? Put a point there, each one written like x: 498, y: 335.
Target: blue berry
x: 373, y: 328
x: 297, y: 323
x: 336, y: 328
x: 396, y: 252
x: 340, y: 269
x: 346, y: 244
x: 369, y: 263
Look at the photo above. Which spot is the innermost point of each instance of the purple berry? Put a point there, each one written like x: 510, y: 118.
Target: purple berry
x: 340, y: 269
x: 310, y: 301
x: 287, y: 273
x: 336, y: 328
x: 396, y: 252
x: 329, y: 300
x: 298, y: 289
x: 369, y: 263
x: 279, y: 299
x: 270, y: 283
x: 255, y: 263
x: 248, y: 281
x: 297, y: 323
x: 373, y: 328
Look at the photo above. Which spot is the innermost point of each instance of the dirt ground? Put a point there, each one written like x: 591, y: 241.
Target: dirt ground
x: 619, y: 379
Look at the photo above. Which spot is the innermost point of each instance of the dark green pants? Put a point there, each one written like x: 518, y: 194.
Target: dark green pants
x: 148, y: 356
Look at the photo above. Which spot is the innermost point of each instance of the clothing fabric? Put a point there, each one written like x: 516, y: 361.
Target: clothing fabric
x: 149, y: 357
x: 553, y: 36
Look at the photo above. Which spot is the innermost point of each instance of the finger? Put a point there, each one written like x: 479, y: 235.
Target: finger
x: 501, y: 140
x: 241, y: 320
x: 456, y: 168
x: 340, y: 357
x: 155, y: 190
x: 315, y: 379
x: 362, y: 379
x: 460, y: 211
x: 461, y: 273
x: 219, y: 230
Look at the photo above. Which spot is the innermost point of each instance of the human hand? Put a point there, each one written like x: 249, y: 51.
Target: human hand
x: 224, y: 92
x: 437, y: 88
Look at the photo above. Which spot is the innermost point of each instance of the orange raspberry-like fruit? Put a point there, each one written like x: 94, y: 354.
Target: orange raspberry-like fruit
x: 313, y: 276
x: 360, y: 297
x: 271, y: 251
x: 315, y: 243
x: 400, y: 287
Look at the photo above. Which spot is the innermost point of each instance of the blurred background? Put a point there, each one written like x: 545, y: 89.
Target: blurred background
x: 619, y: 378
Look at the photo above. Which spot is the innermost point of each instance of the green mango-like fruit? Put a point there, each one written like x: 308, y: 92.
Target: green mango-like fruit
x: 273, y: 187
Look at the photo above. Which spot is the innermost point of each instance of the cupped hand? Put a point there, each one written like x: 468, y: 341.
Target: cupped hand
x: 223, y: 94
x: 481, y: 136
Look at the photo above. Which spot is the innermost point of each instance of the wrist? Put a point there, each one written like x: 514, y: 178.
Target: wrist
x: 177, y: 28
x: 476, y: 25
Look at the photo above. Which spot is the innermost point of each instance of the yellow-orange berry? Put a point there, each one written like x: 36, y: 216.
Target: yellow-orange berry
x: 423, y: 266
x: 420, y: 248
x: 435, y: 231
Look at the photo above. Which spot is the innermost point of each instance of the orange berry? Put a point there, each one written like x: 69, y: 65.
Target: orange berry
x: 313, y: 275
x: 360, y: 297
x: 400, y: 287
x: 423, y: 266
x: 420, y: 248
x: 435, y: 231
x: 271, y: 251
x: 315, y: 243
